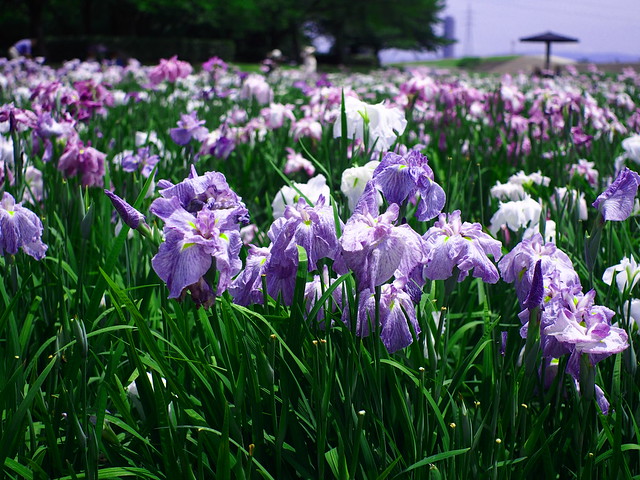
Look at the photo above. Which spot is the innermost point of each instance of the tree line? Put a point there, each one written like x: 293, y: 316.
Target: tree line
x: 254, y: 26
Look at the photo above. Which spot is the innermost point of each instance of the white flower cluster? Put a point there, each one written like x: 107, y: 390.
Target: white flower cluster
x: 384, y: 123
x: 627, y: 276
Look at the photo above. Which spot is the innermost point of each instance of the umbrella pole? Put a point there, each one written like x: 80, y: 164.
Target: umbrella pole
x: 547, y: 62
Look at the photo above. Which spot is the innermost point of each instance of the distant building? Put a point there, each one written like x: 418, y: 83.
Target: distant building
x: 449, y: 34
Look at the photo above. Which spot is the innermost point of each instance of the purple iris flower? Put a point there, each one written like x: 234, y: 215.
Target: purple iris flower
x: 452, y: 243
x: 374, y: 248
x: 401, y: 177
x: 518, y: 266
x: 191, y: 243
x: 312, y: 228
x: 142, y: 160
x: 210, y: 190
x: 129, y: 215
x: 20, y: 228
x: 189, y: 127
x: 281, y: 273
x: 602, y: 401
x: 214, y: 63
x: 217, y: 144
x: 86, y: 161
x: 47, y: 127
x: 170, y: 70
x: 396, y: 313
x: 584, y: 328
x: 202, y: 222
x: 616, y: 202
x: 246, y: 289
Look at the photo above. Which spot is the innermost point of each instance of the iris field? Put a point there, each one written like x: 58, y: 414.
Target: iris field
x: 210, y: 273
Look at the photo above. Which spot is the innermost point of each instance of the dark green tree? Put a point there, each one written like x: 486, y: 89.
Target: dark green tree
x: 255, y: 26
x: 375, y: 25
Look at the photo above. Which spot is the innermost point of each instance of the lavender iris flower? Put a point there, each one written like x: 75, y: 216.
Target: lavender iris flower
x: 47, y: 127
x: 374, y: 248
x: 281, y: 278
x: 202, y: 222
x: 246, y: 289
x: 401, y: 177
x: 189, y: 127
x: 518, y: 265
x: 20, y: 228
x: 312, y: 228
x: 86, y: 161
x: 452, y: 243
x: 217, y: 143
x: 584, y: 328
x: 191, y: 243
x: 616, y: 202
x: 396, y: 313
x: 210, y: 190
x: 142, y: 160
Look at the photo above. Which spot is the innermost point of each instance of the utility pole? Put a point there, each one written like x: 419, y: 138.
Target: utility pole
x: 468, y: 45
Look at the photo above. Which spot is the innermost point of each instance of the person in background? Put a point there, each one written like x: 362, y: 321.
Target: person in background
x: 272, y: 62
x: 309, y: 62
x: 22, y: 48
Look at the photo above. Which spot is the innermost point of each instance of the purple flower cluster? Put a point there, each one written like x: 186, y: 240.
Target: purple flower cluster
x: 170, y: 70
x: 569, y: 323
x: 377, y: 249
x: 373, y: 247
x: 312, y: 228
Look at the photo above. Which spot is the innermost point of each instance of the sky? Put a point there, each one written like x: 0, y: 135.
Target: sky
x: 607, y: 30
x: 493, y: 27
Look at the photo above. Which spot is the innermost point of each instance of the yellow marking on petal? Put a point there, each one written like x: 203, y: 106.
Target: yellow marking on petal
x: 224, y: 237
x: 187, y: 245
